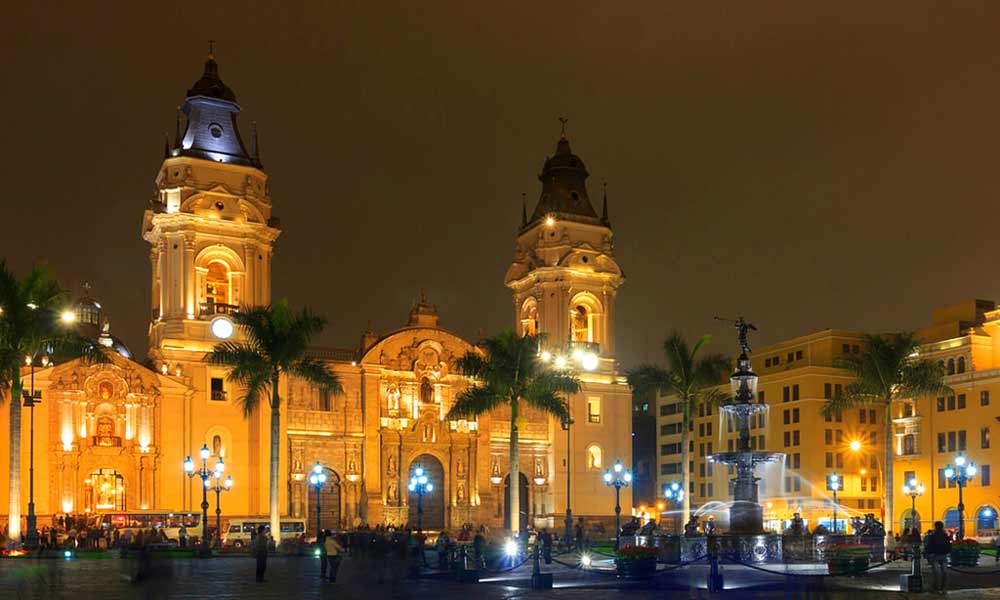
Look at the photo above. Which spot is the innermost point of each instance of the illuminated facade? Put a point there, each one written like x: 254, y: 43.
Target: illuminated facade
x: 796, y: 378
x: 113, y: 437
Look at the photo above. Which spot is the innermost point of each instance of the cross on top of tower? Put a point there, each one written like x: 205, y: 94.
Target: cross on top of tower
x: 211, y: 48
x: 562, y: 131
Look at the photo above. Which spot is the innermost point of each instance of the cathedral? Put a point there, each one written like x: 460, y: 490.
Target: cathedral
x: 113, y: 437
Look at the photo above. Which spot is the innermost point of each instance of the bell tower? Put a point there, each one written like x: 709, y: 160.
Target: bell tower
x: 565, y: 280
x: 564, y: 276
x: 210, y: 227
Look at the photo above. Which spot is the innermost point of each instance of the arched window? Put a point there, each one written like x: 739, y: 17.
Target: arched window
x: 951, y: 518
x: 529, y: 318
x: 961, y: 364
x: 217, y: 283
x: 595, y: 457
x: 582, y: 324
x: 986, y: 522
x: 951, y: 366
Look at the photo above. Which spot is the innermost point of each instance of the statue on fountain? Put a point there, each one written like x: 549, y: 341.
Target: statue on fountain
x: 691, y: 528
x: 648, y: 528
x: 798, y: 527
x: 710, y: 527
x: 631, y: 527
x: 870, y: 527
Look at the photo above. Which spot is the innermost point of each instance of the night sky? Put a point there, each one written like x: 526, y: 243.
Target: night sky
x: 805, y: 167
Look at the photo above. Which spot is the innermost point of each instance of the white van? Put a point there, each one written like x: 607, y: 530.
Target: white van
x: 239, y: 532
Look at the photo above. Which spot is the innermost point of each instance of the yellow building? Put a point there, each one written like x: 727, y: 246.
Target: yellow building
x: 112, y: 438
x: 965, y: 339
x: 797, y: 377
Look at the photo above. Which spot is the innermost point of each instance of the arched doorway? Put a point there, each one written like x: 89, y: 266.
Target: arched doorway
x: 910, y: 520
x: 986, y: 522
x: 104, y: 490
x: 329, y: 503
x: 951, y: 518
x: 523, y: 502
x: 433, y: 501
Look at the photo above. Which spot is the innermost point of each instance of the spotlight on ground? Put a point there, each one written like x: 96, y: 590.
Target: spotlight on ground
x: 67, y: 554
x: 510, y: 548
x: 586, y: 561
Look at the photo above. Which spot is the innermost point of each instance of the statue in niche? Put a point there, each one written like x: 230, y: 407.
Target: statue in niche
x: 426, y: 392
x: 393, y: 491
x: 460, y: 467
x: 392, y: 463
x: 460, y: 493
x: 216, y: 445
x: 392, y: 396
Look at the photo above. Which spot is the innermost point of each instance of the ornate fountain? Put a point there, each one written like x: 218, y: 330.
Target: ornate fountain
x: 746, y: 516
x: 745, y: 540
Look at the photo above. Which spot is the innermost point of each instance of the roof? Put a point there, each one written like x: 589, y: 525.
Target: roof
x: 564, y: 187
x: 211, y: 85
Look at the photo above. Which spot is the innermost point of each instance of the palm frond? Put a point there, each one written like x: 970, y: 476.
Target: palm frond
x: 474, y: 401
x: 257, y: 390
x: 316, y: 371
x: 550, y: 403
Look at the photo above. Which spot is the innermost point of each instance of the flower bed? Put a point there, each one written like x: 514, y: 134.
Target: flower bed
x: 635, y: 562
x: 847, y: 559
x: 964, y: 553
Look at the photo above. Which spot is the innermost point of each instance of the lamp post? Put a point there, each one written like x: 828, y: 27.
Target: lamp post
x: 963, y: 472
x: 32, y: 397
x: 205, y: 474
x: 317, y: 479
x: 621, y: 478
x: 914, y: 581
x: 673, y: 493
x: 420, y: 485
x: 833, y: 483
x: 568, y: 536
x: 218, y: 487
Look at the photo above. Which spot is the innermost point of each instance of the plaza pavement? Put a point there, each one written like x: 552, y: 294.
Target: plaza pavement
x: 224, y: 578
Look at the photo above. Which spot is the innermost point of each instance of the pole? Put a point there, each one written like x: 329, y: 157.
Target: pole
x: 835, y: 512
x: 618, y: 513
x: 318, y: 513
x: 961, y: 506
x: 32, y: 536
x: 218, y: 518
x: 420, y: 507
x: 569, y: 512
x: 204, y: 511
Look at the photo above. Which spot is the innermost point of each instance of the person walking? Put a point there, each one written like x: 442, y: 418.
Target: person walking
x: 321, y: 548
x: 334, y: 552
x: 578, y: 535
x: 182, y: 534
x: 936, y: 548
x: 260, y: 553
x: 546, y: 546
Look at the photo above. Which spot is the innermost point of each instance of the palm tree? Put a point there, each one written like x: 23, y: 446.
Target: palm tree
x: 31, y: 324
x: 509, y: 372
x: 888, y: 368
x: 691, y: 379
x: 276, y: 342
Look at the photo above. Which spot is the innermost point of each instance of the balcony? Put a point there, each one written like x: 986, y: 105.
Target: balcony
x: 219, y: 395
x: 210, y: 309
x: 592, y: 347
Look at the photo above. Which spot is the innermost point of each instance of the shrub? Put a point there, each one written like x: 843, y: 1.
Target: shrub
x: 636, y: 553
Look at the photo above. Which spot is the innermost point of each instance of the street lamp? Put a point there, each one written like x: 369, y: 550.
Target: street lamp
x: 568, y: 536
x: 621, y: 478
x: 963, y: 472
x: 317, y: 479
x: 218, y: 487
x: 914, y: 581
x: 833, y: 483
x: 205, y: 474
x: 673, y: 493
x: 31, y: 398
x: 420, y: 485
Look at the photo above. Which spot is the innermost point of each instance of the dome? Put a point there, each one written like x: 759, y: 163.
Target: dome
x: 564, y: 186
x: 210, y: 85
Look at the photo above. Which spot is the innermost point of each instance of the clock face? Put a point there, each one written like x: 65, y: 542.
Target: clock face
x: 222, y: 328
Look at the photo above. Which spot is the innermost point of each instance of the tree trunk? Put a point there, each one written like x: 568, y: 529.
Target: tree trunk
x: 14, y: 510
x: 887, y: 482
x: 514, y: 489
x: 685, y: 461
x: 273, y: 510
